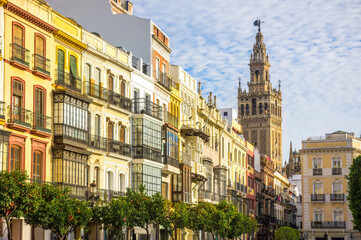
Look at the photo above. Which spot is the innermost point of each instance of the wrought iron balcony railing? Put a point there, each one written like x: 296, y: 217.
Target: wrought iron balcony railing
x: 119, y: 100
x: 19, y: 115
x: 317, y: 171
x: 98, y: 142
x: 140, y: 152
x: 164, y: 80
x: 144, y: 106
x: 68, y: 80
x: 107, y: 195
x: 2, y: 110
x: 318, y: 197
x: 204, y: 194
x: 339, y: 197
x: 171, y: 119
x: 120, y: 148
x: 96, y: 91
x: 19, y: 54
x: 41, y: 122
x: 41, y: 64
x: 336, y: 171
x: 171, y: 161
x: 328, y: 224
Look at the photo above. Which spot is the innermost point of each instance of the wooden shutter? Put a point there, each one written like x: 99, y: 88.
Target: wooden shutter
x: 122, y: 89
x: 110, y: 83
x: 39, y: 46
x: 61, y: 60
x: 73, y: 66
x: 122, y: 134
x: 39, y: 101
x: 110, y: 130
x: 18, y: 35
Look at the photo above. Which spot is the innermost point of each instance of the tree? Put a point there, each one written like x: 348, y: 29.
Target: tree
x: 287, y: 233
x: 58, y: 212
x: 16, y: 197
x: 178, y: 215
x: 354, y: 192
x: 143, y: 210
x: 112, y: 216
x: 230, y: 214
x: 197, y: 219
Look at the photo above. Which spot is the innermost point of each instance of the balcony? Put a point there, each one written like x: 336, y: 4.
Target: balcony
x: 328, y: 224
x: 171, y: 161
x: 41, y: 66
x: 20, y: 118
x: 96, y: 91
x: 205, y: 194
x: 170, y: 119
x: 120, y: 101
x: 337, y: 197
x: 336, y: 171
x: 98, y: 142
x: 317, y: 171
x: 119, y: 148
x: 2, y: 111
x: 140, y: 152
x: 68, y: 81
x: 164, y: 80
x: 144, y: 106
x: 41, y: 124
x: 317, y: 197
x: 77, y: 191
x: 107, y: 195
x: 186, y: 158
x: 19, y: 56
x: 243, y: 188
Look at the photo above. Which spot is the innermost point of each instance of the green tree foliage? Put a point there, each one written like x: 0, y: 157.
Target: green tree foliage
x: 112, y: 216
x: 178, y: 214
x: 16, y: 197
x: 58, y: 212
x: 354, y: 192
x: 287, y: 233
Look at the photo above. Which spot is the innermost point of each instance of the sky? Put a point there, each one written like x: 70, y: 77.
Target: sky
x: 314, y: 49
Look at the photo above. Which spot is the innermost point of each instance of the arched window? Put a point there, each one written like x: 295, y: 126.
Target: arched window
x: 110, y: 83
x: 88, y: 72
x: 260, y: 107
x: 97, y: 76
x: 122, y: 88
x: 122, y: 135
x: 121, y: 182
x: 110, y: 180
x: 254, y: 106
x: 247, y: 109
x: 97, y: 125
x: 256, y: 76
x: 110, y: 130
x: 18, y: 37
x: 265, y: 108
x: 15, y: 157
x: 242, y: 110
x: 37, y: 165
x: 276, y: 108
x: 97, y: 176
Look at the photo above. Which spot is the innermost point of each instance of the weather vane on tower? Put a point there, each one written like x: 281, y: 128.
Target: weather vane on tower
x: 258, y: 23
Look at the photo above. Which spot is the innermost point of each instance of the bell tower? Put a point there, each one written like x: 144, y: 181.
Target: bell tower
x: 260, y: 108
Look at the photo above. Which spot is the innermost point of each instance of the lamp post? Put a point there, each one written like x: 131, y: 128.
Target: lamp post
x: 93, y: 197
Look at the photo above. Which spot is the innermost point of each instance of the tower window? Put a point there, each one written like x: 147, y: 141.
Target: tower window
x: 256, y: 76
x: 242, y: 110
x: 265, y: 108
x: 260, y: 108
x: 247, y: 109
x: 254, y: 106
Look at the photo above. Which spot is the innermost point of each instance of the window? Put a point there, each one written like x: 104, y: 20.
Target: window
x: 336, y: 162
x: 87, y: 168
x: 39, y: 57
x: 122, y: 89
x: 39, y: 108
x: 337, y: 215
x: 61, y: 61
x: 37, y: 165
x: 15, y: 157
x: 97, y: 125
x: 257, y: 76
x: 164, y: 68
x: 97, y: 176
x: 242, y: 109
x: 110, y: 180
x: 254, y: 106
x: 73, y: 70
x: 88, y: 72
x: 171, y: 146
x: 260, y: 108
x: 110, y: 83
x: 18, y: 35
x: 318, y: 216
x: 317, y: 188
x: 121, y: 182
x: 225, y: 114
x: 149, y: 176
x: 4, y: 146
x: 97, y: 76
x: 110, y: 130
x: 157, y: 68
x: 122, y: 134
x: 317, y: 163
x: 247, y: 109
x: 337, y: 187
x: 18, y: 101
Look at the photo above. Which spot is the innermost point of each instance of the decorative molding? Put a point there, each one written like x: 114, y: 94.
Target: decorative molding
x: 71, y: 41
x: 162, y: 43
x: 28, y: 17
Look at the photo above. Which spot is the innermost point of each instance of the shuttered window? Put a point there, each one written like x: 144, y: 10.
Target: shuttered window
x: 122, y: 89
x: 39, y: 101
x: 61, y: 56
x: 39, y: 46
x: 18, y: 35
x: 122, y: 135
x: 37, y: 162
x: 73, y: 66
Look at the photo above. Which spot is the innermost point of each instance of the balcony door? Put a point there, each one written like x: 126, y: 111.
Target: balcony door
x: 40, y: 61
x: 18, y: 101
x: 110, y: 83
x: 61, y: 59
x: 18, y: 43
x: 39, y: 116
x: 110, y: 130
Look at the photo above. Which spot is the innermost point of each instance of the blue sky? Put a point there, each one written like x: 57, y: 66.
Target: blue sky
x: 314, y: 49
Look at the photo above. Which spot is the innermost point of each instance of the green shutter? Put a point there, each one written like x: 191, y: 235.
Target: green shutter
x: 60, y: 65
x: 73, y: 68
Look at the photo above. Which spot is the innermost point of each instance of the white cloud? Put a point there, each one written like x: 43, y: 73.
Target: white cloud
x: 314, y: 48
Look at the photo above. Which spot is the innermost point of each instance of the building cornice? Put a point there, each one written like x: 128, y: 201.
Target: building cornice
x: 329, y: 149
x: 71, y: 41
x: 162, y: 43
x: 28, y: 17
x: 2, y: 2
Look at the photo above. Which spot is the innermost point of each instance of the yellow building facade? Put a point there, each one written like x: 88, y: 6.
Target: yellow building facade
x: 325, y: 162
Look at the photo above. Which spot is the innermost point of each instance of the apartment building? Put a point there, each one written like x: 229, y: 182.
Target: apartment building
x: 325, y: 162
